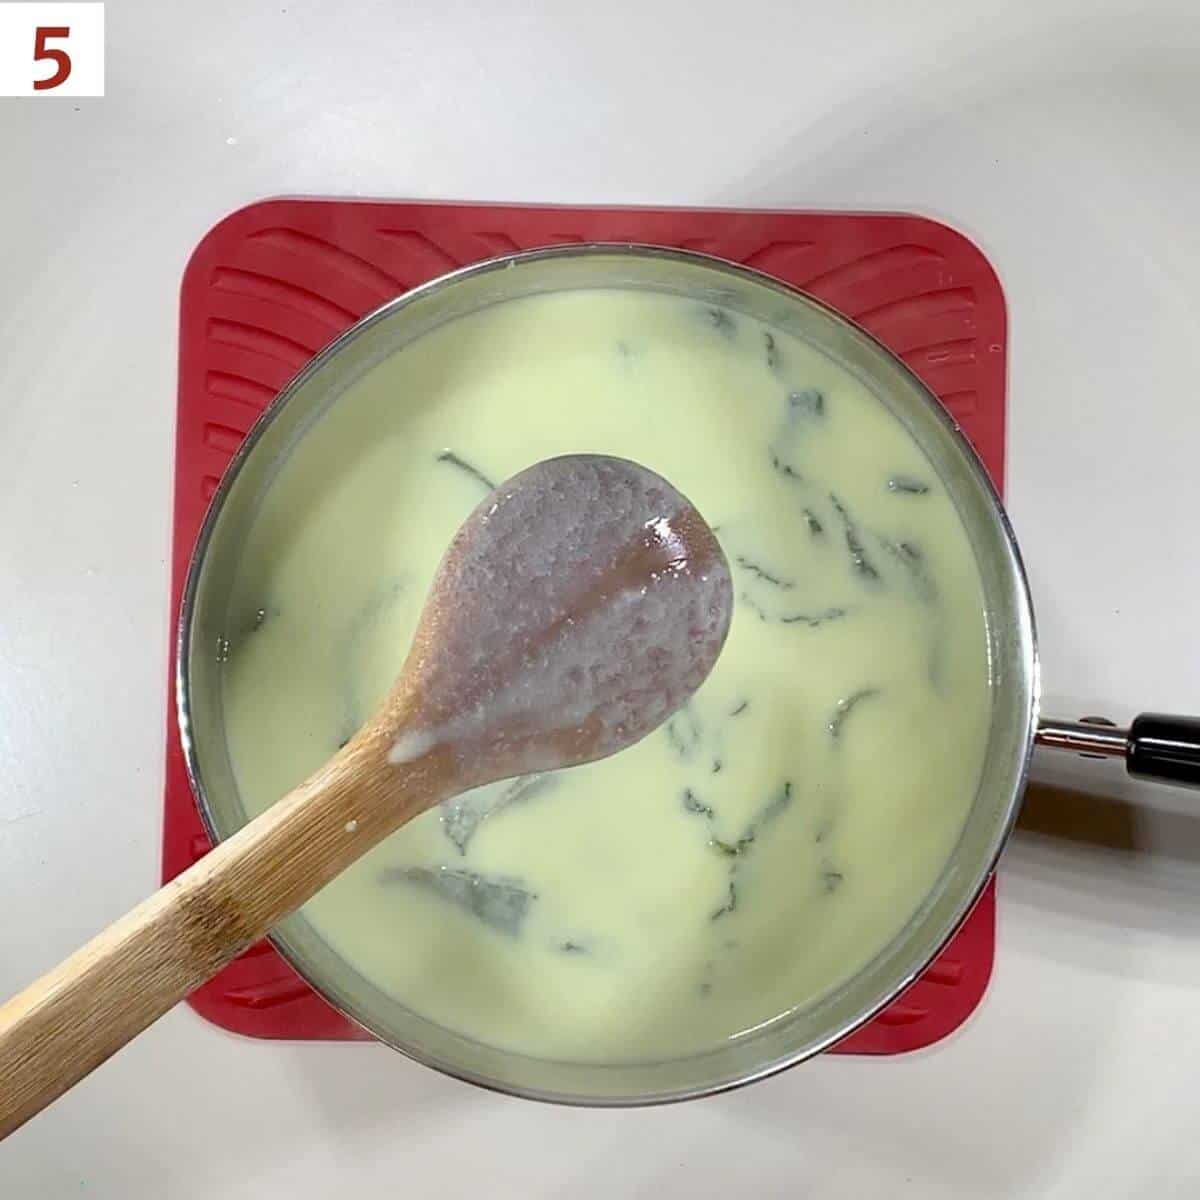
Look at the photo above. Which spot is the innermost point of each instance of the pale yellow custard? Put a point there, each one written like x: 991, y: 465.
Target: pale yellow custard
x: 773, y: 836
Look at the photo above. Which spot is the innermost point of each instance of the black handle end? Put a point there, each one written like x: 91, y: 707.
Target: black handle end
x: 1166, y: 748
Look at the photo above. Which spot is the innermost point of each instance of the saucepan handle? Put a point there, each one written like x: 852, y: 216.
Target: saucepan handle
x: 1155, y: 746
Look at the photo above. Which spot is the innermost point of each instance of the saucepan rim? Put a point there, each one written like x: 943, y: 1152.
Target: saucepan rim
x: 1019, y: 659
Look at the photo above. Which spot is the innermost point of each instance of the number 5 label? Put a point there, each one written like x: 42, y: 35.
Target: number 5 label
x: 49, y: 49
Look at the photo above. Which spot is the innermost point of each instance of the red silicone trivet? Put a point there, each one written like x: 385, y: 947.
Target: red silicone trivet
x: 272, y: 283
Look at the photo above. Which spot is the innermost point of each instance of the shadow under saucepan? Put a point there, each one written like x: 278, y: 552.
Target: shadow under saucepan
x: 1118, y: 867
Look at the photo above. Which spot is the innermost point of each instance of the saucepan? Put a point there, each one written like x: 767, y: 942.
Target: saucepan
x: 1155, y: 746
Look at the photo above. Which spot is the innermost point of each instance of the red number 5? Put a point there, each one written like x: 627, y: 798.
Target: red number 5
x: 60, y: 58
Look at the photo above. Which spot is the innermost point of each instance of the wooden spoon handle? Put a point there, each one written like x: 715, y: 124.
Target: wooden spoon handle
x: 71, y: 1020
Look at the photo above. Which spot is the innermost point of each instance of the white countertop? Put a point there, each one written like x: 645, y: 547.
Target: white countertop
x: 1062, y: 136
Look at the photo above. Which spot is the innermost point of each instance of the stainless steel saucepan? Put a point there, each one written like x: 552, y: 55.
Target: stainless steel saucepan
x: 1161, y: 747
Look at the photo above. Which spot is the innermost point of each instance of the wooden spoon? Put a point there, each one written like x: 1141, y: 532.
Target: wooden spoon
x: 579, y: 605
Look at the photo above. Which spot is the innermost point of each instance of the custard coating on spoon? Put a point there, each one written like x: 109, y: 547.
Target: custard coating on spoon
x: 581, y: 603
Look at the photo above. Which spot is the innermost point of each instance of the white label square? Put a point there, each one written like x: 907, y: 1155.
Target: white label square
x: 51, y: 49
